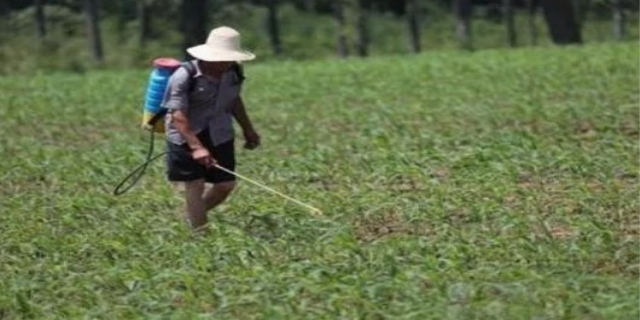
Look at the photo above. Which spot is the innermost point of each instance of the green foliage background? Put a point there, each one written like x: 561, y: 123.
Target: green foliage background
x: 306, y: 35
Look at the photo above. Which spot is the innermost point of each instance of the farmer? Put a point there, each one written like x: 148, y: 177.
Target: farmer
x: 199, y: 125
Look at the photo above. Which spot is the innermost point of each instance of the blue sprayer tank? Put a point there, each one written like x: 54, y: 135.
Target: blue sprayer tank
x: 163, y: 68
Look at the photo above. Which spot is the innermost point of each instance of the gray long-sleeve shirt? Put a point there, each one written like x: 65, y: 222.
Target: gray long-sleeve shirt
x: 208, y: 105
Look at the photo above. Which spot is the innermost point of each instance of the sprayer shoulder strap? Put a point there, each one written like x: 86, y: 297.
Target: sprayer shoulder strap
x: 191, y: 71
x: 237, y: 68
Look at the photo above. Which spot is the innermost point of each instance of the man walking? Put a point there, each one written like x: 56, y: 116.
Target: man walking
x: 199, y: 126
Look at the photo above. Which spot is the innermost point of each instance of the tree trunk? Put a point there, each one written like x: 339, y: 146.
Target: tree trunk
x: 145, y: 25
x: 4, y: 8
x: 309, y: 5
x: 561, y: 21
x: 40, y: 20
x: 273, y: 27
x: 412, y: 10
x: 532, y: 7
x: 581, y: 9
x: 338, y: 12
x: 510, y: 23
x: 194, y: 23
x: 363, y: 28
x: 619, y: 30
x: 462, y: 10
x: 93, y: 30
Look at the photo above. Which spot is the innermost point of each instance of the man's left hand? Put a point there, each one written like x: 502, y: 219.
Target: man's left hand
x: 252, y: 139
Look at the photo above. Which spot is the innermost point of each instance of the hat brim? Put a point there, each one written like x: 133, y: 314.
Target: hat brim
x: 207, y: 53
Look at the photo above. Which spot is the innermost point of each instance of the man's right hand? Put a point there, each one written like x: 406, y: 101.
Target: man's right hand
x: 202, y: 156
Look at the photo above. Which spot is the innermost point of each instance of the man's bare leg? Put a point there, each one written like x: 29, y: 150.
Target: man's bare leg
x: 196, y: 209
x: 217, y: 194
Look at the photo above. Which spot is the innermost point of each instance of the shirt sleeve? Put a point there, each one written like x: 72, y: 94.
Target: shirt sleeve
x: 177, y: 95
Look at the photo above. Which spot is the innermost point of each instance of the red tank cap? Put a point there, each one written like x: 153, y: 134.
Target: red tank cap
x: 170, y: 63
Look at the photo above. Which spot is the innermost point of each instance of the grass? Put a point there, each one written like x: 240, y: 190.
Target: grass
x: 500, y: 184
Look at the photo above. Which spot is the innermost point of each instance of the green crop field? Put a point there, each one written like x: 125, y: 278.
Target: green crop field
x: 500, y: 184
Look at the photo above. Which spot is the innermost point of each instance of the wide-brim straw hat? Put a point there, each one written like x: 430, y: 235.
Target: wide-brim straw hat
x: 223, y: 44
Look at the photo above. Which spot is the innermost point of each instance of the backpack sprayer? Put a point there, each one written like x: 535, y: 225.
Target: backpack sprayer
x: 153, y: 112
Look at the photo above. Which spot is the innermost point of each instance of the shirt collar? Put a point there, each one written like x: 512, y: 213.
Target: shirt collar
x: 199, y: 73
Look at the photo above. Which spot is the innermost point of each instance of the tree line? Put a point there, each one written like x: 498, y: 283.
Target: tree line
x: 563, y: 18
